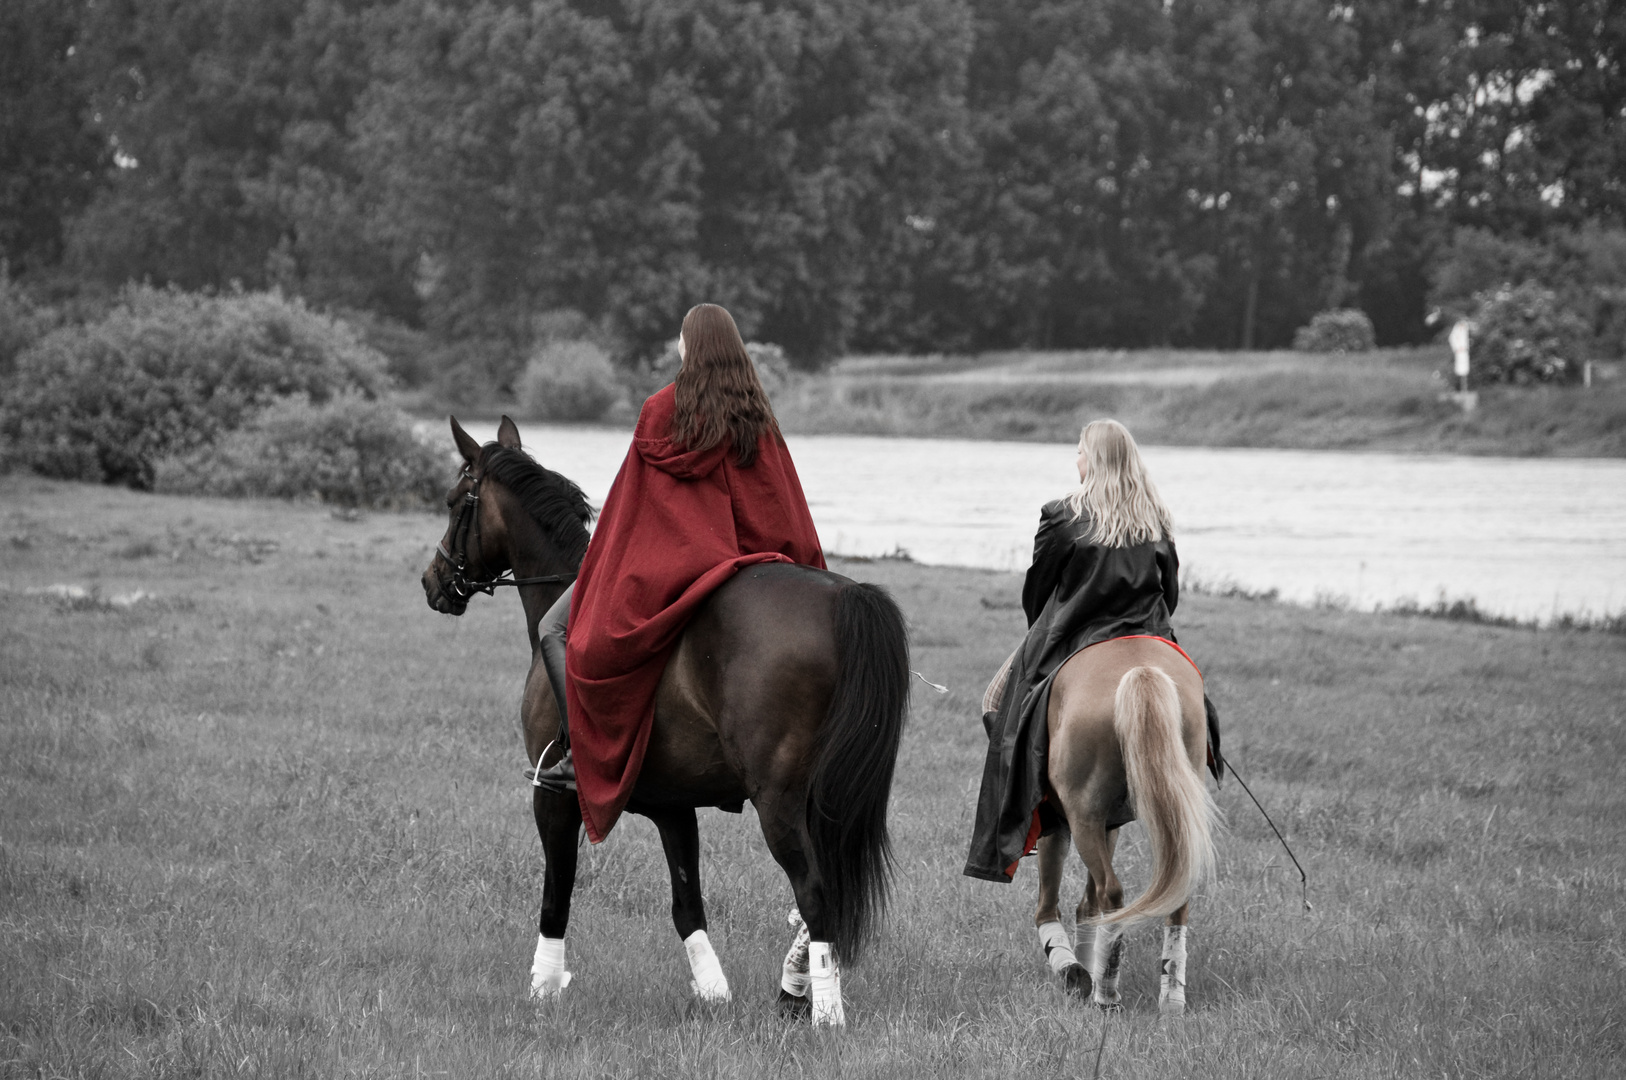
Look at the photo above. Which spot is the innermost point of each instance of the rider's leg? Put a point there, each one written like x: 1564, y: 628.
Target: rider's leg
x: 551, y: 638
x: 561, y: 776
x: 1216, y: 761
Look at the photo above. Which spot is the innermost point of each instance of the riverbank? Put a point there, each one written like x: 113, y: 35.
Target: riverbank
x: 264, y: 815
x: 1386, y: 400
x: 1522, y: 538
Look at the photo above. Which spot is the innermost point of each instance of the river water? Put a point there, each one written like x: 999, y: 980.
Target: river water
x: 1533, y: 538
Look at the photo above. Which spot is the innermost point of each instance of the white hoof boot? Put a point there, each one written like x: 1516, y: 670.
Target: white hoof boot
x: 548, y: 975
x: 1171, y: 997
x: 1058, y: 951
x: 1106, y: 957
x: 826, y: 979
x: 793, y: 976
x: 710, y: 984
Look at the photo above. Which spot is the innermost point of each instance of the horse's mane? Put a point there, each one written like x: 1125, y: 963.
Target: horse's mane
x: 551, y: 499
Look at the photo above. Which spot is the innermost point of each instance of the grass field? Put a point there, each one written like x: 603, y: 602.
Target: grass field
x: 1385, y: 400
x: 270, y: 821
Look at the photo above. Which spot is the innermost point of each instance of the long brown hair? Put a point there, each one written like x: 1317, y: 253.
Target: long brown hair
x: 718, y: 393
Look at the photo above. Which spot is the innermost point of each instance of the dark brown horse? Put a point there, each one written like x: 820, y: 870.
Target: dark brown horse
x: 789, y: 689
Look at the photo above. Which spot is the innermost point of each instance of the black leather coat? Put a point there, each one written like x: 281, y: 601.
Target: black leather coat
x: 1077, y: 593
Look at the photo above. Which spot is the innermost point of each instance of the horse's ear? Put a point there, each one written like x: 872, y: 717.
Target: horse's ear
x: 465, y: 443
x: 508, y: 434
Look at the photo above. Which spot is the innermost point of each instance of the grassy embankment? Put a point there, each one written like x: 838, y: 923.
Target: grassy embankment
x: 1386, y: 400
x: 273, y: 822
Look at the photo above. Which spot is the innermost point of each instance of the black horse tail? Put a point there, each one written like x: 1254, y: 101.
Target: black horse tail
x: 852, y: 771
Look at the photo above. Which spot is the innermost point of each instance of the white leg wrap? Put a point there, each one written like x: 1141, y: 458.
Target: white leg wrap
x: 548, y: 974
x: 826, y: 978
x: 1171, y: 998
x: 794, y: 977
x: 710, y: 984
x: 1058, y: 951
x: 1105, y: 959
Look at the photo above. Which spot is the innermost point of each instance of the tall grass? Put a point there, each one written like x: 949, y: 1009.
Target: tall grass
x: 1389, y: 400
x: 273, y: 823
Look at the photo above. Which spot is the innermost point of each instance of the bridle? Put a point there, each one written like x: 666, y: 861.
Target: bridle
x: 468, y: 524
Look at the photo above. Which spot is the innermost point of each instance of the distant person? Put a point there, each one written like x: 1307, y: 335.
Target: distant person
x: 1104, y: 567
x: 706, y: 489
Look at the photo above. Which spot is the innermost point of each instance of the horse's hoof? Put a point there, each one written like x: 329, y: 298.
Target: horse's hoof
x: 1076, y: 977
x: 794, y: 1006
x: 713, y: 993
x: 1109, y: 1006
x: 549, y: 989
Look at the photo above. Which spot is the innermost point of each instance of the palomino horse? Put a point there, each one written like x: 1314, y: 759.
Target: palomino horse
x: 789, y: 688
x: 1127, y: 729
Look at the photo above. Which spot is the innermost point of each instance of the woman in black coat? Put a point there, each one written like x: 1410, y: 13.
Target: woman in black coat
x: 1104, y: 567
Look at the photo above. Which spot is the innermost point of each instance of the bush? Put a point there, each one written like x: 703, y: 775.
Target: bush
x: 568, y: 380
x: 1347, y: 330
x: 1523, y: 335
x: 773, y: 369
x: 349, y: 450
x: 655, y: 373
x: 1478, y: 262
x: 22, y: 322
x: 1585, y: 266
x: 165, y: 372
x: 410, y: 355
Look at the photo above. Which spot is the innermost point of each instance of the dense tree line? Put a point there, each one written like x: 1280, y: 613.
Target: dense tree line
x: 843, y: 174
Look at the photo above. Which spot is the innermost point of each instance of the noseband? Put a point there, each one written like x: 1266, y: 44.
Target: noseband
x: 468, y: 523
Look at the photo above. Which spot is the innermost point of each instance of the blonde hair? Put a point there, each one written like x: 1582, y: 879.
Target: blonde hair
x: 1118, y: 495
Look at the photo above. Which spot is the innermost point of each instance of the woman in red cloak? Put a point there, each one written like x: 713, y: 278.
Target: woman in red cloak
x: 706, y: 489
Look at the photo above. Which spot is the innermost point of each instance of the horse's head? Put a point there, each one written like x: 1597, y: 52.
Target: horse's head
x: 505, y: 510
x: 474, y: 548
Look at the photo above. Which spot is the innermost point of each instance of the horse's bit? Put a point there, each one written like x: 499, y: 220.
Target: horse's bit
x: 468, y: 521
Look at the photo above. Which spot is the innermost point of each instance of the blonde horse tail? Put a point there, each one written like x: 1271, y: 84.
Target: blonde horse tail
x: 1168, y: 795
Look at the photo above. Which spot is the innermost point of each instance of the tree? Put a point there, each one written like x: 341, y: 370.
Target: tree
x: 1293, y: 178
x: 633, y: 161
x: 229, y: 121
x: 52, y: 157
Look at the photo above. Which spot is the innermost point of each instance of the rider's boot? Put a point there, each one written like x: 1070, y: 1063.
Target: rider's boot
x: 560, y: 776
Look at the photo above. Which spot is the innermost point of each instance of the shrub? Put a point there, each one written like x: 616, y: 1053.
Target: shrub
x: 1477, y: 262
x: 22, y: 322
x: 349, y: 450
x: 1585, y: 266
x: 773, y: 369
x: 1523, y: 335
x: 657, y: 372
x: 409, y: 354
x: 165, y: 372
x: 472, y: 372
x: 1346, y: 330
x: 563, y: 324
x: 568, y: 380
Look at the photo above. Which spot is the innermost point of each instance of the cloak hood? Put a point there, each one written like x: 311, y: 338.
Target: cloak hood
x: 675, y: 460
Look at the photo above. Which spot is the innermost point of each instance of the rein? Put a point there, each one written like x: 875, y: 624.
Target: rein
x: 468, y: 521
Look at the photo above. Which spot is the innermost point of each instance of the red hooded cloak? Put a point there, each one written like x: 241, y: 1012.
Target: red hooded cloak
x: 676, y: 525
